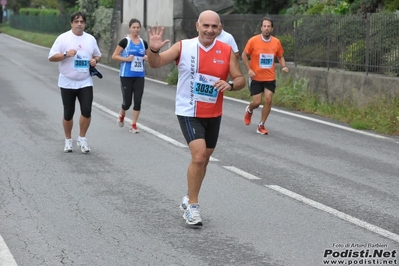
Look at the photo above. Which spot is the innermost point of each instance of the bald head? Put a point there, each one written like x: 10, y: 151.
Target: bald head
x: 208, y: 14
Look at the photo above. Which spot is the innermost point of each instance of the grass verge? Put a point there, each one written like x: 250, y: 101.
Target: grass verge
x: 45, y: 40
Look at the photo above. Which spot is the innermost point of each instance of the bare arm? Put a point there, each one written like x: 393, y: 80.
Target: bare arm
x: 281, y: 60
x: 236, y: 75
x: 156, y: 59
x: 60, y: 56
x: 117, y: 55
x: 245, y: 60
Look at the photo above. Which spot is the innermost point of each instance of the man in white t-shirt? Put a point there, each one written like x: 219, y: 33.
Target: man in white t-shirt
x: 226, y: 37
x: 76, y: 51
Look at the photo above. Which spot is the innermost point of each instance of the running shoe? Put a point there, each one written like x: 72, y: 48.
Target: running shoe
x: 121, y: 120
x: 247, y: 116
x: 84, y: 147
x: 192, y: 215
x: 134, y: 129
x: 68, y: 145
x: 262, y: 130
x: 184, y: 204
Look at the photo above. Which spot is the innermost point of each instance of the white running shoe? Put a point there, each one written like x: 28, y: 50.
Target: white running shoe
x: 192, y: 215
x: 184, y: 204
x: 121, y: 120
x: 84, y: 147
x: 68, y: 145
x: 134, y: 129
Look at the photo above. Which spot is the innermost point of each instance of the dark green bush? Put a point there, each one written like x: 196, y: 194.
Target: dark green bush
x: 317, y: 9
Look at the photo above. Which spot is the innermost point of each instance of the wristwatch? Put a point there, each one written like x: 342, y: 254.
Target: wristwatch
x: 231, y: 85
x: 65, y: 55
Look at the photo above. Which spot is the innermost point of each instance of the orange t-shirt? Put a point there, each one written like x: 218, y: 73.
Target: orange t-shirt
x: 262, y: 56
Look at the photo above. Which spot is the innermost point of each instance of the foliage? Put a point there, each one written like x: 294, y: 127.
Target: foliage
x: 288, y: 43
x: 102, y: 28
x: 52, y: 4
x: 89, y: 7
x: 38, y: 12
x: 391, y: 62
x: 41, y: 39
x: 380, y: 114
x: 67, y: 6
x: 341, y: 8
x: 316, y: 9
x: 355, y: 56
x: 260, y: 6
x: 15, y: 5
x: 364, y: 6
x: 172, y: 77
x: 107, y: 3
x: 391, y: 5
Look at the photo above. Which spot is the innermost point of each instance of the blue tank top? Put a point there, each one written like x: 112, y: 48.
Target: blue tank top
x: 136, y: 67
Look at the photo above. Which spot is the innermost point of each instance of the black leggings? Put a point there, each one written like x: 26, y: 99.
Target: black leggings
x: 85, y: 97
x: 132, y: 88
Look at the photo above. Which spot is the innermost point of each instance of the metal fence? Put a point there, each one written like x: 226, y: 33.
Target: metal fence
x: 43, y: 24
x: 366, y: 43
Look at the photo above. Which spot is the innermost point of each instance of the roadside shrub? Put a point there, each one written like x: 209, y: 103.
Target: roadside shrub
x: 288, y: 43
x: 354, y: 57
x: 391, y: 62
x: 173, y: 77
x: 38, y: 12
x: 316, y: 9
x: 102, y: 28
x: 107, y: 3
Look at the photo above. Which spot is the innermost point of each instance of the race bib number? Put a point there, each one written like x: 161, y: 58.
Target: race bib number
x: 203, y: 88
x: 137, y: 64
x: 81, y: 65
x: 266, y: 60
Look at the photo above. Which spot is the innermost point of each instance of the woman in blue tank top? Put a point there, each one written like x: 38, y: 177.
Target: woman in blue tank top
x: 131, y: 52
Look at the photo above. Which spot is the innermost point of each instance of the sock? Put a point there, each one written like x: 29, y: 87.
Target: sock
x: 261, y: 123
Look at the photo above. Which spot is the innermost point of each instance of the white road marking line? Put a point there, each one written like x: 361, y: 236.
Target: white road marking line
x: 6, y: 258
x: 341, y: 215
x: 241, y: 173
x: 246, y: 102
x: 149, y: 130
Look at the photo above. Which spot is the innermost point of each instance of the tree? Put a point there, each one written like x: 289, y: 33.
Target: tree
x: 260, y: 6
x: 44, y: 3
x: 66, y: 6
x: 15, y: 5
x: 89, y: 7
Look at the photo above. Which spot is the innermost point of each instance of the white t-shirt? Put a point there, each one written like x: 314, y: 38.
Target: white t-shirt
x: 229, y: 39
x: 74, y: 71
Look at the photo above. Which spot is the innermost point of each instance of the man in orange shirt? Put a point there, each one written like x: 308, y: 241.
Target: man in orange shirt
x: 258, y: 57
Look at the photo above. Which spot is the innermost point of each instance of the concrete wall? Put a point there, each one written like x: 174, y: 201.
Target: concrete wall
x: 159, y: 12
x: 344, y: 86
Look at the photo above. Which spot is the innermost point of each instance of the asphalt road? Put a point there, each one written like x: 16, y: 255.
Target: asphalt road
x: 310, y: 192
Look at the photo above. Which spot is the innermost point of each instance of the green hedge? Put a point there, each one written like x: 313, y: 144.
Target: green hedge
x: 38, y: 12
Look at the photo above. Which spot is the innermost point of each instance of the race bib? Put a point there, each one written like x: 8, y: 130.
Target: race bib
x: 203, y: 88
x: 137, y: 64
x: 266, y: 60
x: 81, y: 65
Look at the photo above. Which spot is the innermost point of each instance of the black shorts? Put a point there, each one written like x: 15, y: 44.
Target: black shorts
x: 257, y: 87
x: 200, y: 128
